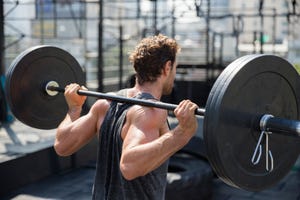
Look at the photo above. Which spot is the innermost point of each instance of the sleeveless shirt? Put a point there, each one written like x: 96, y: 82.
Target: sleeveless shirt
x: 109, y: 183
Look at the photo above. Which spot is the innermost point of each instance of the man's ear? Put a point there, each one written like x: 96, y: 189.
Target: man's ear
x: 167, y: 67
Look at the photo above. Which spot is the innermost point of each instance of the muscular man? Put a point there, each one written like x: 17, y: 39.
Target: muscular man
x: 135, y: 142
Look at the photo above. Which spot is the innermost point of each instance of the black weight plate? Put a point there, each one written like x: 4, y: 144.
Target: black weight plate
x: 228, y: 74
x: 25, y: 85
x: 261, y: 84
x: 214, y: 93
x: 209, y: 122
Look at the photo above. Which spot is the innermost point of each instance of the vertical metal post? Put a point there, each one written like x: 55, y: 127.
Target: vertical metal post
x: 173, y: 19
x: 261, y: 42
x: 121, y: 57
x: 237, y: 36
x: 207, y: 31
x: 138, y: 7
x: 254, y: 42
x: 213, y: 48
x: 207, y: 39
x: 3, y: 108
x: 221, y: 49
x: 55, y: 17
x: 41, y: 14
x: 100, y: 50
x: 2, y: 65
x: 274, y: 30
x: 261, y: 4
x: 155, y: 17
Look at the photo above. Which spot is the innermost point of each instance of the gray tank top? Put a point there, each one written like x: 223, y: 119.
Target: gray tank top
x: 109, y: 182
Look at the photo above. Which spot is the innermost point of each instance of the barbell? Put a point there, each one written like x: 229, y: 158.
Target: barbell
x: 250, y: 127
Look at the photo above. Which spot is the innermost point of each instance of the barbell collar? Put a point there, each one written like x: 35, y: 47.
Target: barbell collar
x: 273, y: 124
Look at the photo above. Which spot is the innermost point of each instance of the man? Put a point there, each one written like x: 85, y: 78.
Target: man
x: 135, y: 142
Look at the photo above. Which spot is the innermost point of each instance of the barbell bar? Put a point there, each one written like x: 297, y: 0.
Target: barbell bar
x: 267, y: 122
x: 53, y: 86
x: 254, y: 96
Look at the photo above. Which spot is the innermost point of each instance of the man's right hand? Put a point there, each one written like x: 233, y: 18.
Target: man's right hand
x: 187, y: 122
x: 74, y: 100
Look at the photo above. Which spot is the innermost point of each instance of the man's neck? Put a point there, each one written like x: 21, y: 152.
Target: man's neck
x: 153, y: 88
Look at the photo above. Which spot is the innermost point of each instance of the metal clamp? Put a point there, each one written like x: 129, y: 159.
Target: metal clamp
x: 256, y: 157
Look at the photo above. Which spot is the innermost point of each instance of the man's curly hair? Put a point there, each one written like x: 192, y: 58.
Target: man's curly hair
x: 150, y: 56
